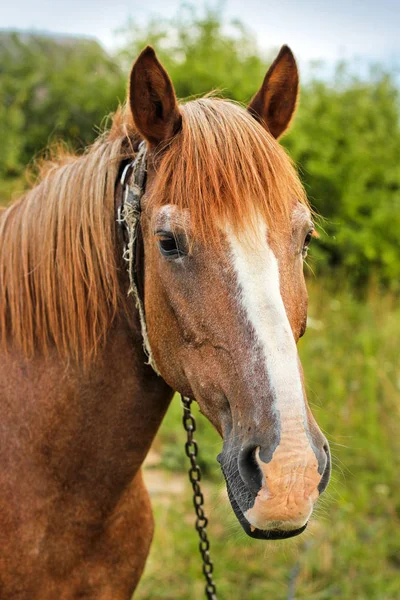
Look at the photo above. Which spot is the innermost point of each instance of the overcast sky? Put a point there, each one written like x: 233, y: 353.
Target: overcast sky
x: 315, y: 29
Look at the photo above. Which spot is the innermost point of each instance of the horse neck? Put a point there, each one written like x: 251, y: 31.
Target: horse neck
x: 133, y: 387
x: 99, y: 420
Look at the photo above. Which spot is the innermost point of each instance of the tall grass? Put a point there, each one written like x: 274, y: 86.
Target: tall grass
x: 351, y: 549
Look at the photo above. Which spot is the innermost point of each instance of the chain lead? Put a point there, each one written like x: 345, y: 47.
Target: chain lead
x: 191, y: 450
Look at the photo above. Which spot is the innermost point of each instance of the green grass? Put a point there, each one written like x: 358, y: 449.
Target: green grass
x: 351, y: 549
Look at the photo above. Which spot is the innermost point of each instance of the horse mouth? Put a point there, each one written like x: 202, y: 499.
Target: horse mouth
x: 254, y: 532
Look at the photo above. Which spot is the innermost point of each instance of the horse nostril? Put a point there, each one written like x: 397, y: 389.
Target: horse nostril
x: 249, y: 469
x: 326, y: 472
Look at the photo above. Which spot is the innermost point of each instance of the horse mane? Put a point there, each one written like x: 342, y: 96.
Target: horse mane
x: 225, y: 168
x: 58, y: 266
x: 58, y: 269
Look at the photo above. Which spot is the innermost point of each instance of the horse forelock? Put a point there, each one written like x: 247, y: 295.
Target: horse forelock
x: 223, y: 167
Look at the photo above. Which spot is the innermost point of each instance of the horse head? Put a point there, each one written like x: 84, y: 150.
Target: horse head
x: 225, y: 227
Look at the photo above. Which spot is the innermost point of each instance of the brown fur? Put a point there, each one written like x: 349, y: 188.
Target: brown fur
x: 75, y: 518
x: 275, y: 103
x: 152, y: 99
x: 79, y: 407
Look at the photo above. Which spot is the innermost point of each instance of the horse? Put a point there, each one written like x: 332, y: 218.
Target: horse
x: 88, y: 370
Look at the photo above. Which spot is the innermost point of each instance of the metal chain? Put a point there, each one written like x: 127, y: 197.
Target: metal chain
x: 191, y: 450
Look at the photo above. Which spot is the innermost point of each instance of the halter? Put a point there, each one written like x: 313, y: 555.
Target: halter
x: 133, y: 183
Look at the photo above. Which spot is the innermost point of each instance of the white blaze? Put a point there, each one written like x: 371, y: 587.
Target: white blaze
x: 258, y: 277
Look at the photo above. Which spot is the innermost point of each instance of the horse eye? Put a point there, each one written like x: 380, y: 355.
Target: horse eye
x: 170, y: 246
x: 307, y: 242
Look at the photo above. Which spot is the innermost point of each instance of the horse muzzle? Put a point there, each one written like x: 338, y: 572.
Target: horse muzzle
x: 275, y: 499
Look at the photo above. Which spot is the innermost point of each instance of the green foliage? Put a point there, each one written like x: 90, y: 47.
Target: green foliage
x: 346, y: 137
x: 351, y: 548
x: 346, y: 140
x: 52, y: 89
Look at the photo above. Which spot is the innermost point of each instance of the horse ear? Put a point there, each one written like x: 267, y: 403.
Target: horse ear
x: 275, y: 102
x: 152, y: 99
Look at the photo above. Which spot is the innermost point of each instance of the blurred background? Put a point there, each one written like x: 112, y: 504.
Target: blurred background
x: 63, y: 69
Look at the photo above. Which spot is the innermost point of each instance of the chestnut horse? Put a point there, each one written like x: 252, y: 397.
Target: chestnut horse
x: 224, y: 227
